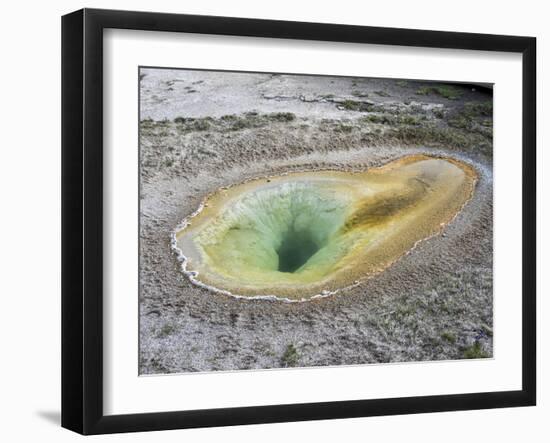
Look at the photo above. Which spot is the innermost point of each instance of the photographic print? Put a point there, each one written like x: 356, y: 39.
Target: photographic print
x: 292, y: 221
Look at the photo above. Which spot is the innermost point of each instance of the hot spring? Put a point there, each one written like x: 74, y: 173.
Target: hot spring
x: 304, y: 234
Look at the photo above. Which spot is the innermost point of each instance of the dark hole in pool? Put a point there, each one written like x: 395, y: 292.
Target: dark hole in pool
x: 295, y: 250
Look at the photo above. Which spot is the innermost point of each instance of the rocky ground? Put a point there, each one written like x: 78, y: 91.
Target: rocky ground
x: 202, y: 130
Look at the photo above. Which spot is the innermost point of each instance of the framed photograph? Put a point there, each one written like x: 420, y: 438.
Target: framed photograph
x: 269, y: 221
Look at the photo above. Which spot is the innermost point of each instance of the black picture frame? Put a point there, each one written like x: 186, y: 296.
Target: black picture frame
x: 82, y: 218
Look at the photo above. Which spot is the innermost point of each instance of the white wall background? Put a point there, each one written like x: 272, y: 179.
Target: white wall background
x: 30, y: 219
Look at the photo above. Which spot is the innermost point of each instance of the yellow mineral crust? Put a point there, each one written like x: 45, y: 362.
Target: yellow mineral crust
x: 299, y: 235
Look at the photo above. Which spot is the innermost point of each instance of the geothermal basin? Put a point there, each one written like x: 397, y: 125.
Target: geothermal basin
x: 306, y: 234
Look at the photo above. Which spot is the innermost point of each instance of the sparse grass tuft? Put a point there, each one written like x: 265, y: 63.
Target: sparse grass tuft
x: 343, y: 128
x: 392, y: 119
x: 362, y: 106
x: 165, y: 331
x: 479, y: 108
x: 282, y: 116
x: 436, y: 136
x: 448, y: 92
x: 424, y: 90
x: 194, y: 124
x: 472, y: 116
x: 290, y: 357
x: 379, y: 119
x: 240, y: 124
x: 449, y: 336
x: 255, y: 120
x: 351, y: 105
x: 460, y: 121
x: 410, y: 120
x: 475, y: 351
x: 201, y: 125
